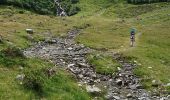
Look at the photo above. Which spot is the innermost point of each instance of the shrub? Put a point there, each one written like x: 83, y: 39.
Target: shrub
x: 73, y: 10
x: 12, y: 52
x: 12, y: 56
x: 34, y: 80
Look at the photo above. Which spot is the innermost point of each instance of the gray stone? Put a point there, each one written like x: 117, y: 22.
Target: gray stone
x: 83, y: 65
x: 119, y: 82
x: 168, y: 84
x: 80, y: 76
x: 70, y: 48
x: 20, y: 77
x: 155, y: 83
x: 93, y: 89
x: 129, y: 95
x: 138, y: 86
x: 116, y: 97
x: 29, y: 31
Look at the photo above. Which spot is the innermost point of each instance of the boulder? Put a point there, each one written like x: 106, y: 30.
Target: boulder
x: 129, y: 95
x: 119, y: 82
x: 155, y: 83
x: 29, y: 31
x: 93, y: 89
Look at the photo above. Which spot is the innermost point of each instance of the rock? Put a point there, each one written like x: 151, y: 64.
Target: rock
x: 70, y: 65
x: 119, y: 82
x: 167, y: 85
x: 138, y: 86
x: 83, y: 65
x: 20, y: 77
x: 155, y: 83
x: 29, y: 31
x: 133, y: 87
x: 21, y: 68
x: 70, y: 48
x: 116, y: 97
x: 150, y: 67
x: 80, y: 76
x: 129, y: 95
x: 80, y: 85
x: 93, y: 89
x: 118, y: 68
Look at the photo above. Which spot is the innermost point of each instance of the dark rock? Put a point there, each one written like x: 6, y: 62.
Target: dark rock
x: 138, y: 86
x: 119, y: 82
x: 29, y: 31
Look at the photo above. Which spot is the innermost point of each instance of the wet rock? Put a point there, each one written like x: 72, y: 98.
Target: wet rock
x: 93, y: 89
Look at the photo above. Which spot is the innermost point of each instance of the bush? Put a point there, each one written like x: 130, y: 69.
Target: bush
x: 12, y: 56
x: 13, y: 52
x: 34, y: 80
x: 73, y: 10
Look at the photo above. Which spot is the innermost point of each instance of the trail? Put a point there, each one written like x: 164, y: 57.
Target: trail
x: 66, y: 53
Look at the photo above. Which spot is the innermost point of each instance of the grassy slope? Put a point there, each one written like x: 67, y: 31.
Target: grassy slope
x: 107, y: 30
x: 12, y: 29
x: 112, y: 33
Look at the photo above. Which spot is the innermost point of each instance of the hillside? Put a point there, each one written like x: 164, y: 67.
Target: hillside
x: 97, y: 36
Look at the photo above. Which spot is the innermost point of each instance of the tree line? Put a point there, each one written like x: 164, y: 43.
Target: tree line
x: 146, y: 1
x: 44, y: 6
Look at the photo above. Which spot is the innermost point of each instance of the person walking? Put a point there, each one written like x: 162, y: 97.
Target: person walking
x: 132, y: 37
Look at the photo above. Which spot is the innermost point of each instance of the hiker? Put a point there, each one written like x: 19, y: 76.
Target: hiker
x: 132, y: 37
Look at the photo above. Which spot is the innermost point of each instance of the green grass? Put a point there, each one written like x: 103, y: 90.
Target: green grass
x: 13, y: 24
x: 109, y: 25
x: 62, y: 85
x: 103, y: 64
x: 152, y: 43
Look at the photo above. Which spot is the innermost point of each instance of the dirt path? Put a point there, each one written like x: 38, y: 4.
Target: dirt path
x: 64, y: 52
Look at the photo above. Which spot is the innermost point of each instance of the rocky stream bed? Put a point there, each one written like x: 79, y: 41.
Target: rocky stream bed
x: 66, y: 53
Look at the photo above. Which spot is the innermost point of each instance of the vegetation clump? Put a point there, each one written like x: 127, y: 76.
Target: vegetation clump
x: 103, y: 64
x: 11, y: 56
